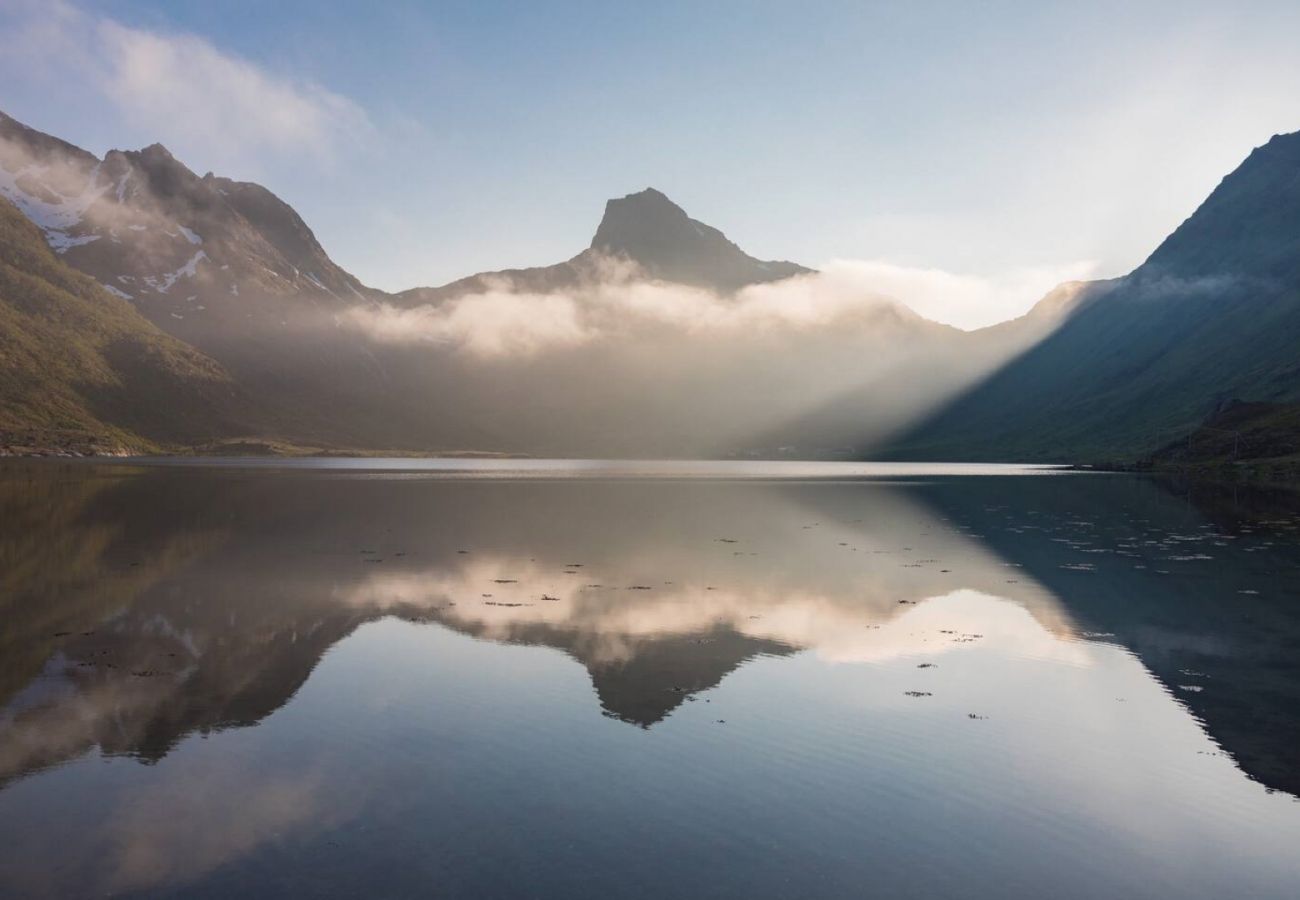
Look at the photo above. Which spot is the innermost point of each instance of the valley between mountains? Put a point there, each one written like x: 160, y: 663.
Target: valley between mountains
x: 147, y: 309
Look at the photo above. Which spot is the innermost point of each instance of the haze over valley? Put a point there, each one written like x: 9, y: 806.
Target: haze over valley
x: 661, y: 338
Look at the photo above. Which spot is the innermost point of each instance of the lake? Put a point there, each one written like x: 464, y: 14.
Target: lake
x: 578, y: 679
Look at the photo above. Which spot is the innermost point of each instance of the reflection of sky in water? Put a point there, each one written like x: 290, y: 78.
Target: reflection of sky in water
x: 841, y: 688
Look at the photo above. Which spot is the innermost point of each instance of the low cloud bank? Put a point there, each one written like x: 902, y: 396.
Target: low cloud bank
x: 614, y: 363
x: 845, y: 297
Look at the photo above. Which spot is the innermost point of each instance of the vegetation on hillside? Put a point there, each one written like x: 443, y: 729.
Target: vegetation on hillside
x: 82, y: 371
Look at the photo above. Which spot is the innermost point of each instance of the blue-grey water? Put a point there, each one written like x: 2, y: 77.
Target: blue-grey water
x: 575, y: 679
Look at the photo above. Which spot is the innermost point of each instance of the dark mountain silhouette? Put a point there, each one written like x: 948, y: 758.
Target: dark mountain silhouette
x: 1212, y: 315
x: 656, y: 233
x: 647, y: 231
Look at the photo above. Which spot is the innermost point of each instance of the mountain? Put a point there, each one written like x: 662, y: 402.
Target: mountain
x: 182, y: 246
x: 1097, y: 371
x: 228, y: 268
x: 1211, y: 316
x: 82, y: 371
x: 647, y: 231
x: 669, y: 245
x: 234, y: 272
x: 811, y: 384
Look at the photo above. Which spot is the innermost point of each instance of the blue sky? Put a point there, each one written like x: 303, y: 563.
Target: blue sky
x: 1010, y: 143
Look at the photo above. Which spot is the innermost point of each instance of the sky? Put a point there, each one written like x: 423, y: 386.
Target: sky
x: 974, y: 153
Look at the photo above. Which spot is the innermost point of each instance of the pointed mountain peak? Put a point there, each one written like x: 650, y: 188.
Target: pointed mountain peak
x: 631, y: 222
x: 159, y: 164
x: 156, y: 152
x: 656, y: 233
x: 647, y: 200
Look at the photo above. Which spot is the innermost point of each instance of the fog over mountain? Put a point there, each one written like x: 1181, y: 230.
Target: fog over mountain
x: 661, y: 338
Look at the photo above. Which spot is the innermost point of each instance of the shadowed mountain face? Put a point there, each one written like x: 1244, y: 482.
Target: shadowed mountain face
x: 1211, y: 316
x: 646, y: 231
x: 145, y: 606
x: 656, y: 233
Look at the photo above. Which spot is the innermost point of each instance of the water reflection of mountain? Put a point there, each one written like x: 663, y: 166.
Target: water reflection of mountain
x: 1201, y: 582
x: 153, y: 605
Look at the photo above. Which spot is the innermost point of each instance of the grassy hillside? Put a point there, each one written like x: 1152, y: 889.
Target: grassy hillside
x: 1242, y: 440
x: 81, y: 370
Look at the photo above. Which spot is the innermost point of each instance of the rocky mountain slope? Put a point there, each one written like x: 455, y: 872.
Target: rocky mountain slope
x: 228, y: 268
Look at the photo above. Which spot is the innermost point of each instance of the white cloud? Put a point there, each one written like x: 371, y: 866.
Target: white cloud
x: 966, y: 301
x: 492, y: 324
x: 846, y: 296
x: 205, y: 103
x: 503, y: 322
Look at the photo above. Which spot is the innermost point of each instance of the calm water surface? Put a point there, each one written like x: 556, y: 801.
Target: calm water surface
x: 509, y: 679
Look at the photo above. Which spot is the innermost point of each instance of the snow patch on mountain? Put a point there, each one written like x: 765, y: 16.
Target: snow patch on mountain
x: 60, y: 242
x: 316, y: 281
x: 55, y: 217
x: 163, y: 283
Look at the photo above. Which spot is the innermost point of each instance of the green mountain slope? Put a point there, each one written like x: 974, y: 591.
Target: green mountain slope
x: 81, y: 370
x: 1213, y: 315
x: 1258, y: 441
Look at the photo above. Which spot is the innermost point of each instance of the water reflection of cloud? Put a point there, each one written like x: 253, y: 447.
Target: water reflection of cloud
x: 505, y: 599
x: 186, y: 824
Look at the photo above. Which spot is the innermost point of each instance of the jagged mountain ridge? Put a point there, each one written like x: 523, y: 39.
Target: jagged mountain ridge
x: 145, y: 226
x: 228, y: 268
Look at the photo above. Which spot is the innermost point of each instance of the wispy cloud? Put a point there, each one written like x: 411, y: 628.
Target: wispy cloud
x: 199, y: 99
